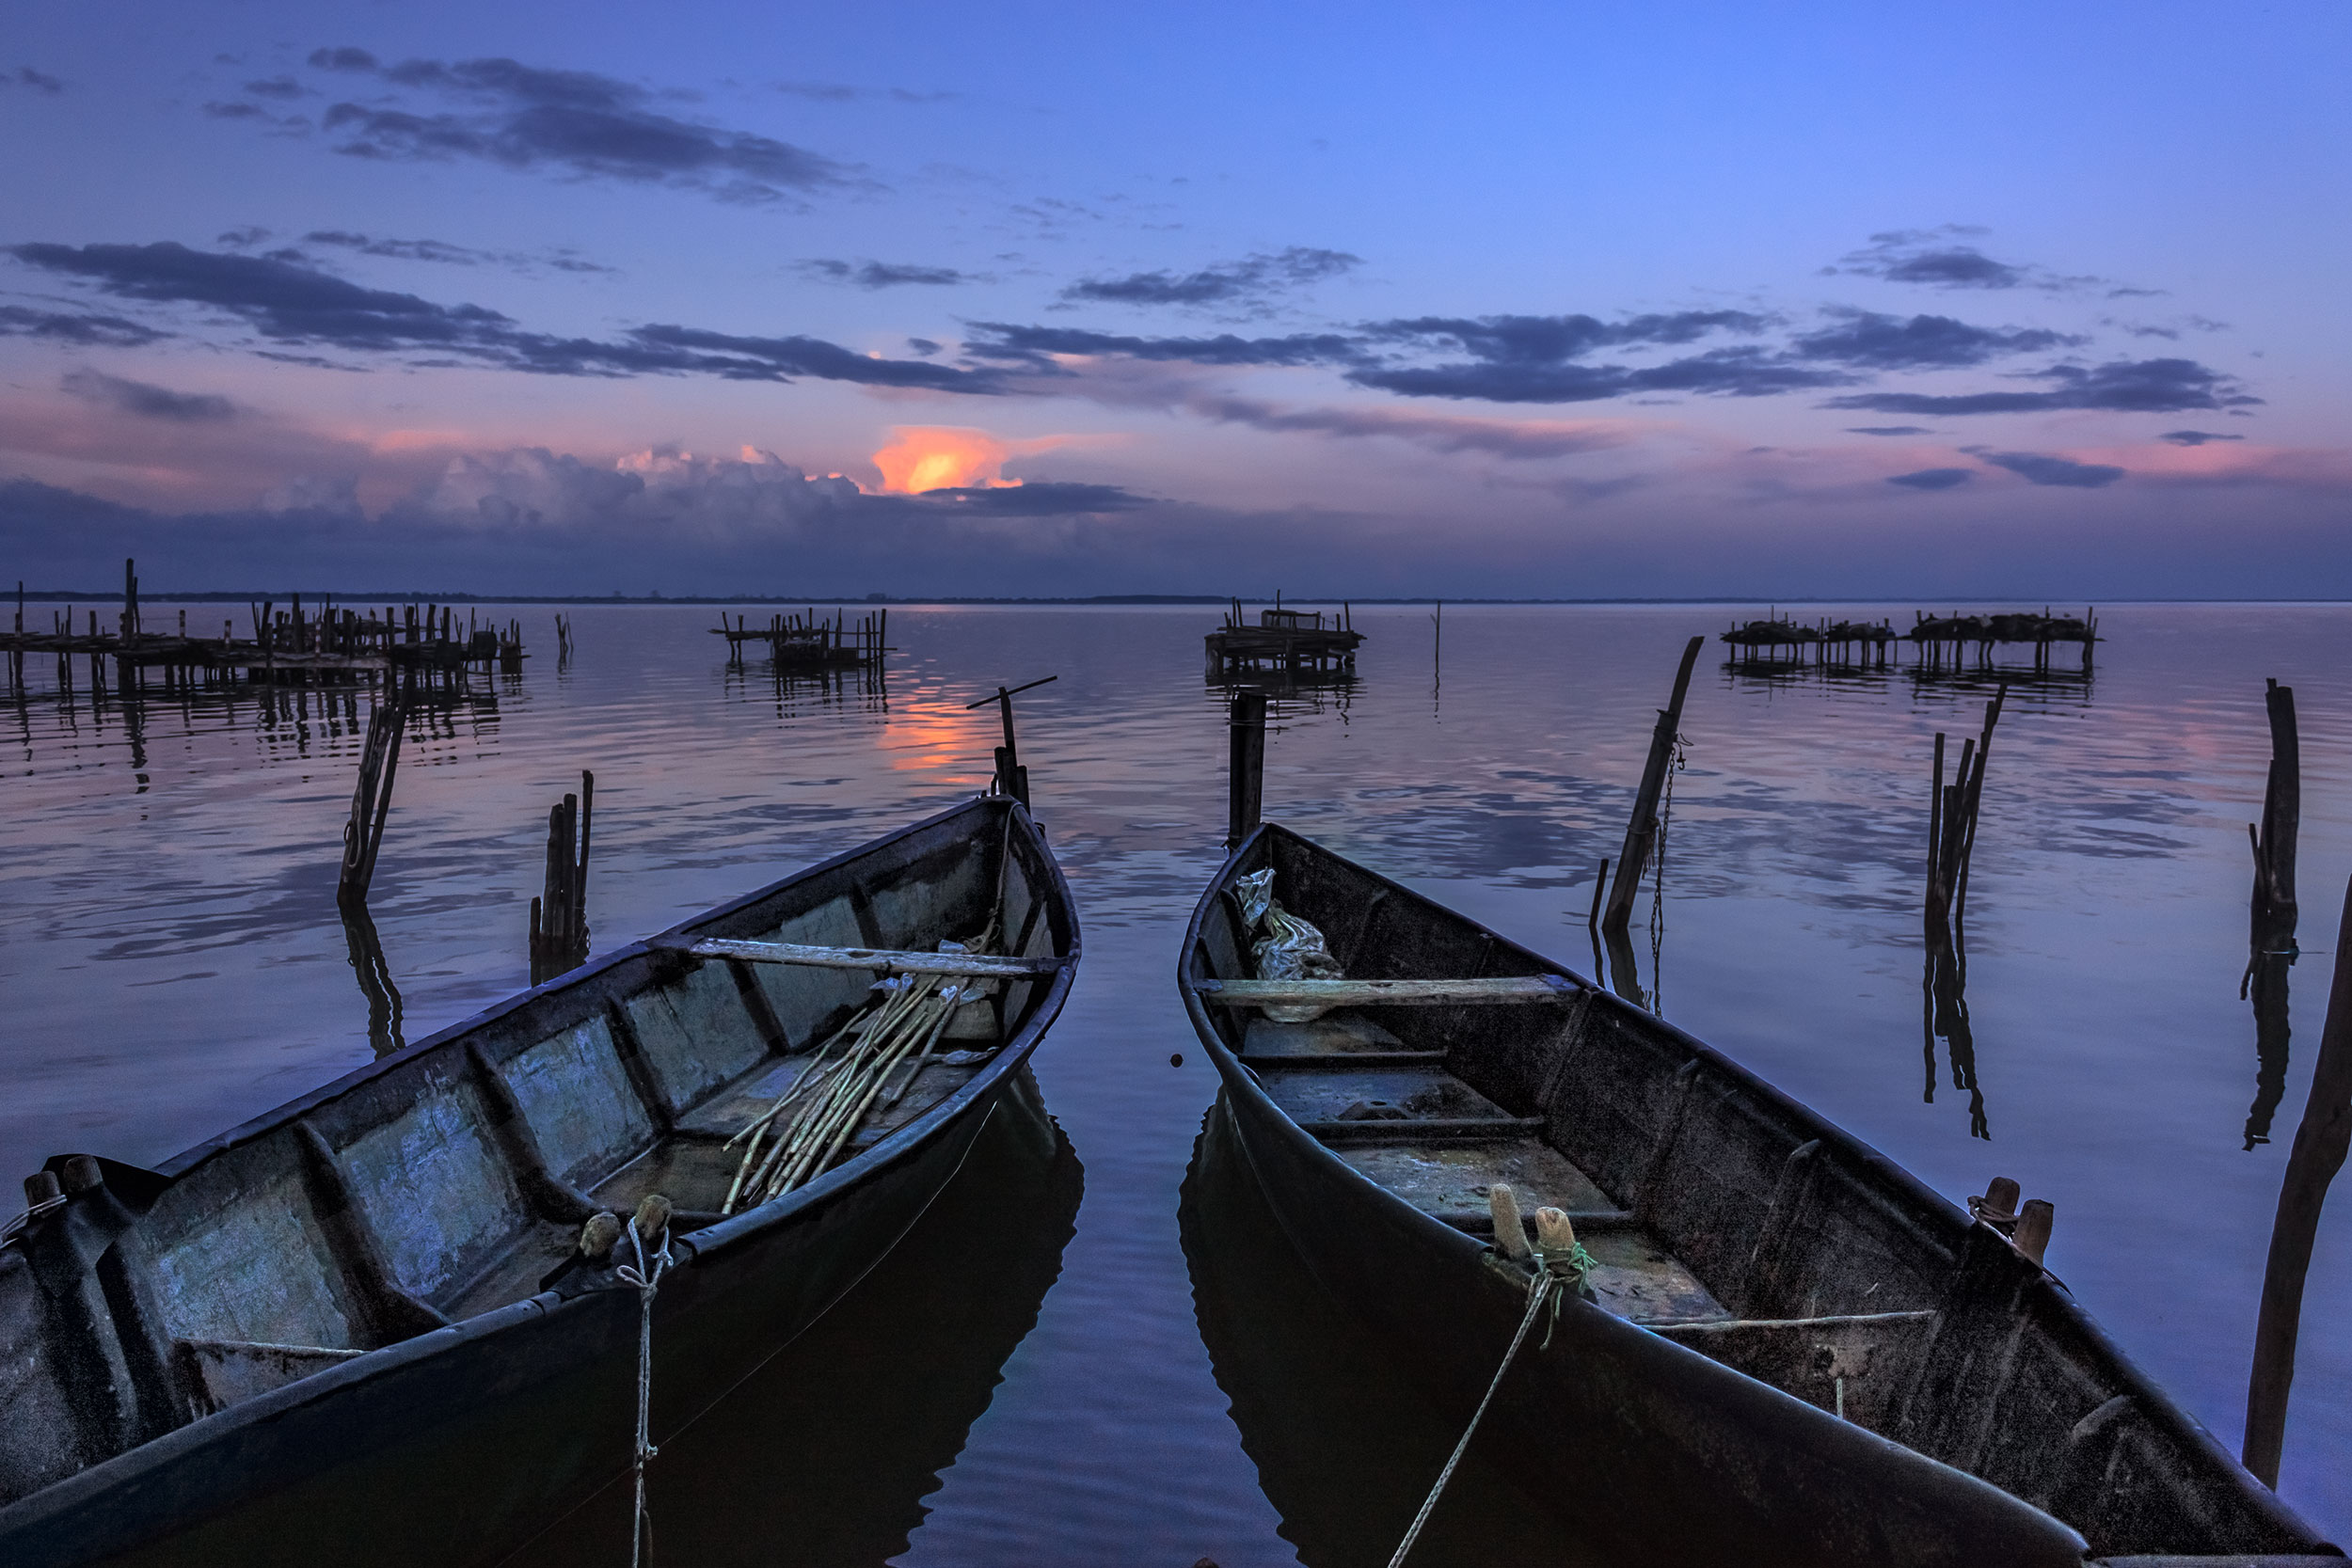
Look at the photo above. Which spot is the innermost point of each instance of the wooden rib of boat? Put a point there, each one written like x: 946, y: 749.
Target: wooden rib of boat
x: 367, y: 1308
x: 1757, y: 1269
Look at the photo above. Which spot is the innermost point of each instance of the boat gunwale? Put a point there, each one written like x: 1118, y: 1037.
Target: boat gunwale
x: 594, y: 984
x: 2157, y: 1406
x: 901, y: 1144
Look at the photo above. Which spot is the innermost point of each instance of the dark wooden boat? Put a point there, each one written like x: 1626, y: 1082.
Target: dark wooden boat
x: 366, y: 1307
x: 1759, y: 1270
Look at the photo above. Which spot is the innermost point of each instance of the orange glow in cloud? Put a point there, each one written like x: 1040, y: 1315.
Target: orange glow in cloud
x: 940, y: 456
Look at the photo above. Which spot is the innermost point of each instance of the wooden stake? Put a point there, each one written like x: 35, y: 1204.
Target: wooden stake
x: 1244, y: 722
x: 2318, y: 1152
x: 1641, y: 833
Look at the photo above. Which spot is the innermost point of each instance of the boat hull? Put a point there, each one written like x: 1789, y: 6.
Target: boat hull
x: 454, y: 1445
x: 1822, y: 1249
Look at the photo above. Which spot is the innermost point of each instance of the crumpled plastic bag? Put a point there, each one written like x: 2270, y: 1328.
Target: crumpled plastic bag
x: 1289, y: 949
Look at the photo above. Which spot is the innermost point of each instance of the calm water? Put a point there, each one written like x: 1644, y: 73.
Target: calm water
x: 170, y: 964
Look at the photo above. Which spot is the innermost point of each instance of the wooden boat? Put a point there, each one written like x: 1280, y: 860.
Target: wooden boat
x: 1797, y: 1354
x: 365, y: 1313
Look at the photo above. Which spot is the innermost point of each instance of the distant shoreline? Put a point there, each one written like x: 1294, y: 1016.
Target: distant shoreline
x: 54, y: 595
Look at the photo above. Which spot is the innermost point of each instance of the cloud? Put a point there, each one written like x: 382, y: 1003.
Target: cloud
x: 283, y: 88
x: 576, y: 122
x: 35, y: 81
x: 1252, y: 281
x: 1035, y: 344
x: 147, y: 401
x: 1867, y: 340
x: 882, y: 275
x: 1036, y: 498
x: 2042, y: 469
x: 440, y: 251
x: 836, y: 92
x: 1518, y: 340
x: 1888, y: 430
x: 292, y: 304
x: 1934, y: 479
x: 2195, y: 437
x: 2123, y: 385
x: 1507, y: 438
x: 1937, y: 258
x: 1731, y: 372
x: 18, y: 321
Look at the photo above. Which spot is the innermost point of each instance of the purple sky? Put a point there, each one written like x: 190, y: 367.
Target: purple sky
x: 1994, y: 300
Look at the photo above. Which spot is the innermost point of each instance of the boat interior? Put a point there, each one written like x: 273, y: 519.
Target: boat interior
x: 452, y: 1178
x: 1720, y: 1213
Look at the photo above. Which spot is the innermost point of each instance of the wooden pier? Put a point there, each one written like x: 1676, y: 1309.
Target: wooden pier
x: 1939, y: 642
x: 1290, y: 646
x: 425, y: 645
x: 808, y: 642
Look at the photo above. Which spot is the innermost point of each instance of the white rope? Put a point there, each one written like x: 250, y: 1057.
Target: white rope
x: 647, y: 1276
x: 1538, y: 1292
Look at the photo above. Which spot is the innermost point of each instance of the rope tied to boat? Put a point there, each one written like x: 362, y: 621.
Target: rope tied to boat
x: 1561, y: 1268
x: 653, y: 1260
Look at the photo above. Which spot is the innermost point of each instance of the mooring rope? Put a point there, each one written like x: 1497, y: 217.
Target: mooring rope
x: 646, y: 1275
x: 1538, y: 1291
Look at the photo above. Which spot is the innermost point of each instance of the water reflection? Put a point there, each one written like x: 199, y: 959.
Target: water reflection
x: 822, y: 1458
x: 375, y: 979
x: 1346, y: 1444
x: 2266, y: 981
x: 1945, y: 1011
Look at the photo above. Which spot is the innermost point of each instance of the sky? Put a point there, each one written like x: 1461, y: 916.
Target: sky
x: 1603, y: 301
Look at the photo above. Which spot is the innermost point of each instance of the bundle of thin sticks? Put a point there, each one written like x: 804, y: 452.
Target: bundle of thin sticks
x: 800, y: 1136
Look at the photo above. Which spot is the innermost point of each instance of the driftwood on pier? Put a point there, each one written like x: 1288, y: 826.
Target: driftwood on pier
x: 1286, y: 645
x: 412, y: 646
x: 809, y: 641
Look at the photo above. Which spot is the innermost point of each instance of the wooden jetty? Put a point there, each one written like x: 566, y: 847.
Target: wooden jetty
x: 808, y: 641
x: 1939, y: 642
x: 424, y: 644
x: 1292, y: 645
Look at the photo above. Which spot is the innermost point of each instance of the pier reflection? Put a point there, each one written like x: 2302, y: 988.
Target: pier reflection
x: 1346, y: 1444
x: 822, y: 1458
x: 796, y: 693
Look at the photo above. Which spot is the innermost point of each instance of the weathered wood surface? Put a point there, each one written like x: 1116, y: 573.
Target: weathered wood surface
x: 1890, y: 1381
x: 1387, y: 993
x: 884, y: 961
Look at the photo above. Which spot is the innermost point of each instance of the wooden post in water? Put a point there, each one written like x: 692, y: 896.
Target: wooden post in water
x: 1012, y: 778
x: 1641, y: 833
x: 2274, y: 908
x: 2320, y: 1145
x: 370, y: 802
x: 558, y: 917
x: 1245, y: 721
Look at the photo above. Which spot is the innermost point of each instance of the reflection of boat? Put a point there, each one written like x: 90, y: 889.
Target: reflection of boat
x: 836, y: 1441
x: 348, y: 1325
x: 1344, y: 1442
x: 1759, y: 1274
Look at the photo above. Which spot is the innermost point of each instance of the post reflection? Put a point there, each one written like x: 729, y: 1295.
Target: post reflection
x: 1944, y: 992
x: 822, y: 1458
x: 2265, y: 984
x: 1346, y: 1444
x: 375, y: 980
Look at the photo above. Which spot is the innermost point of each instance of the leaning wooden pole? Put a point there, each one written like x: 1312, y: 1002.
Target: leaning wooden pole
x: 1245, y: 769
x: 1641, y: 831
x: 2320, y: 1143
x: 2274, y: 906
x: 370, y: 804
